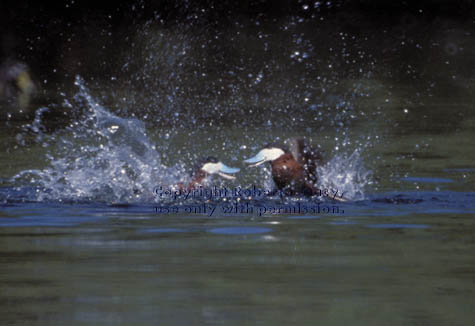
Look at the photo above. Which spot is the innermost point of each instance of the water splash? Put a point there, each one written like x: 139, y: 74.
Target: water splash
x: 347, y: 174
x: 176, y: 82
x: 103, y: 158
x: 110, y: 159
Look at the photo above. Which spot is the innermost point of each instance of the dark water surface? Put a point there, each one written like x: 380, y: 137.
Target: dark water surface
x: 393, y: 260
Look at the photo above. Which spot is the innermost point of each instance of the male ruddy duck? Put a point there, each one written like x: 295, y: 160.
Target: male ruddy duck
x: 294, y: 168
x: 204, y: 169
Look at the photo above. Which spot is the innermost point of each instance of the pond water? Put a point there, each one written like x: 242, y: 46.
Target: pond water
x: 82, y: 241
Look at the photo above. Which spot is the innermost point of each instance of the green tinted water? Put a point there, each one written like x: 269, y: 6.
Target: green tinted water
x: 385, y: 261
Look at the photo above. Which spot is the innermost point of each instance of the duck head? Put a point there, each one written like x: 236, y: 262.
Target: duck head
x: 211, y: 165
x: 269, y: 153
x: 287, y: 171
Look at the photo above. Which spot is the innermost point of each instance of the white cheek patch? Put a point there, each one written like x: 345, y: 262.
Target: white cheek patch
x: 265, y: 155
x: 272, y: 154
x: 220, y: 169
x: 211, y: 168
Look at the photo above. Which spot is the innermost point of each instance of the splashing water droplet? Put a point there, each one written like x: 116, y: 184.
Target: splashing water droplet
x: 116, y: 161
x: 345, y: 174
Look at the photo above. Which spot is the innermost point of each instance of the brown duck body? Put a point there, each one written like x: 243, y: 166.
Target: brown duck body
x: 307, y: 156
x: 290, y: 175
x: 286, y: 171
x: 197, y: 180
x: 294, y: 170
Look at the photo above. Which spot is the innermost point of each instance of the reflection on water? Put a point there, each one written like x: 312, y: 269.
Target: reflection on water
x: 397, y: 226
x: 240, y: 230
x: 112, y: 266
x: 429, y: 180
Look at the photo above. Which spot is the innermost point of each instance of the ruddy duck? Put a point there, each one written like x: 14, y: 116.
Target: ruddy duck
x: 293, y: 168
x: 206, y: 168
